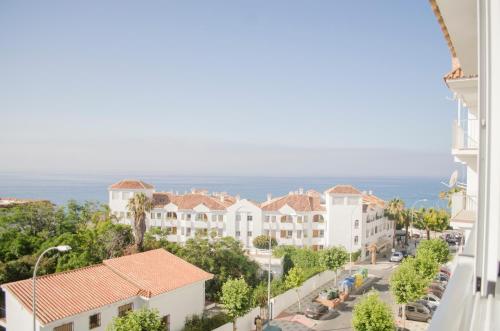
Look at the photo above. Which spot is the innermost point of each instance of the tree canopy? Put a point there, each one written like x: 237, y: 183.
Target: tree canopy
x: 262, y: 242
x: 372, y: 314
x: 406, y: 284
x: 431, y: 220
x: 138, y: 320
x: 236, y: 298
x: 435, y: 247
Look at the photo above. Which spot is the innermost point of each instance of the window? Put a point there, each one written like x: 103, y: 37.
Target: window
x: 321, y: 233
x: 318, y: 233
x: 289, y: 234
x: 94, y: 321
x: 115, y: 195
x: 125, y: 195
x: 356, y: 239
x: 158, y: 216
x: 367, y: 233
x: 338, y: 201
x: 188, y: 217
x: 64, y: 327
x: 286, y: 219
x: 299, y: 234
x: 238, y: 217
x: 299, y: 219
x: 249, y: 233
x: 356, y: 224
x: 214, y: 218
x: 201, y: 217
x: 273, y: 218
x: 123, y: 310
x: 188, y: 232
x: 410, y: 308
x: 376, y: 229
x: 173, y: 230
x: 249, y: 217
x: 171, y: 215
x: 306, y: 219
x: 152, y: 216
x: 166, y: 322
x: 220, y: 217
x: 268, y: 218
x: 282, y: 234
x: 318, y: 219
x: 305, y: 233
x: 238, y: 234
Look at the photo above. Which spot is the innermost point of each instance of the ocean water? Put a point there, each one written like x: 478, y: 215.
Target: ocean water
x: 59, y: 188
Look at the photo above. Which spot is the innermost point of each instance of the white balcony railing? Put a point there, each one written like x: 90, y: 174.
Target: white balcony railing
x: 461, y: 201
x: 464, y: 133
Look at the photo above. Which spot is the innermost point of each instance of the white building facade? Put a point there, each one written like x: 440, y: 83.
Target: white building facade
x: 90, y: 298
x: 341, y: 215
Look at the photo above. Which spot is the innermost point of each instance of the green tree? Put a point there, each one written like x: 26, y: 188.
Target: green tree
x: 406, y: 284
x: 138, y: 320
x: 372, y: 314
x: 333, y: 259
x: 262, y: 242
x: 294, y: 279
x: 139, y: 205
x: 235, y: 298
x: 435, y: 247
x: 426, y: 264
x: 203, y: 323
x: 432, y: 220
x: 394, y: 212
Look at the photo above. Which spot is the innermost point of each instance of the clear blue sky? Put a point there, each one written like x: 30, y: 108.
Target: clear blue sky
x: 224, y: 87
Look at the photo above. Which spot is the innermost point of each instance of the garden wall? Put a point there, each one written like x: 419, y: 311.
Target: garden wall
x: 280, y: 302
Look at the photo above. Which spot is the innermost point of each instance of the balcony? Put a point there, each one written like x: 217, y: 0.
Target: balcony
x: 463, y: 210
x: 464, y: 140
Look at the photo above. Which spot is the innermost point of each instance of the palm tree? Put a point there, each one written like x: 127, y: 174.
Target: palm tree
x: 446, y: 195
x: 406, y: 216
x: 139, y: 205
x: 394, y: 211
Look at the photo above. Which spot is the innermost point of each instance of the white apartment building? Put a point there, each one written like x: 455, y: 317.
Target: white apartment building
x: 341, y: 215
x: 472, y: 31
x: 89, y: 298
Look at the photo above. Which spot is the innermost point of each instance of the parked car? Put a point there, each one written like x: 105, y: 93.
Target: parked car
x: 437, y: 291
x: 315, y: 310
x: 445, y: 270
x: 443, y: 279
x: 431, y: 299
x: 416, y: 311
x: 429, y: 305
x: 439, y: 285
x: 415, y: 236
x: 396, y: 257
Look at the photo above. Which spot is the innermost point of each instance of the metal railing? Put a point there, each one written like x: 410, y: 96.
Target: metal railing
x: 463, y: 134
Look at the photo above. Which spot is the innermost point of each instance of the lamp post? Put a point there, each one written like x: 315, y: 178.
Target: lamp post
x: 61, y: 248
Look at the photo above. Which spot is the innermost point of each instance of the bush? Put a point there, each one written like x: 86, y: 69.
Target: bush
x: 138, y: 320
x: 262, y: 242
x: 204, y: 323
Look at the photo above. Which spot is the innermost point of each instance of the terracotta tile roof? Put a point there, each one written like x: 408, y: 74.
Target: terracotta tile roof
x: 373, y: 200
x: 343, y: 189
x: 456, y: 73
x: 191, y: 200
x: 298, y: 202
x: 131, y: 184
x: 69, y: 293
x: 157, y: 271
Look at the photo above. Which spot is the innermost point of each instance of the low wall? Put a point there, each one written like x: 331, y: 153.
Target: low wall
x: 280, y: 302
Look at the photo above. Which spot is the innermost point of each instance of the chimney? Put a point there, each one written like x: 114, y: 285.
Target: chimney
x: 301, y: 190
x: 269, y: 196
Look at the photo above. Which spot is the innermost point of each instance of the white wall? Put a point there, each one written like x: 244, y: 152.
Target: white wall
x: 17, y: 316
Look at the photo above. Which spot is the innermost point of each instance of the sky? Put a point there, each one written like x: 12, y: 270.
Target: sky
x: 293, y: 88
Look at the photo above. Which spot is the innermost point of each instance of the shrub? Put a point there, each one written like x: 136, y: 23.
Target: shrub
x: 262, y: 242
x: 372, y: 314
x: 204, y: 323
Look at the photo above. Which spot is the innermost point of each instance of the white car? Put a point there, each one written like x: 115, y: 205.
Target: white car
x: 396, y: 257
x: 431, y: 299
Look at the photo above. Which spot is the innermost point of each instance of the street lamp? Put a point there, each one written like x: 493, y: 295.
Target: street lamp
x: 61, y: 248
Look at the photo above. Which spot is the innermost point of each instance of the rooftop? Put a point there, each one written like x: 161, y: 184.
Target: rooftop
x: 343, y: 189
x: 131, y: 184
x: 72, y: 292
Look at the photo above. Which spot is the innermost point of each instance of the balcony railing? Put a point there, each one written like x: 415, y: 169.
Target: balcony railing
x: 462, y: 201
x: 464, y: 135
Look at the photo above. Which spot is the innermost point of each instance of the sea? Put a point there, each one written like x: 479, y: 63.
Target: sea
x: 59, y: 188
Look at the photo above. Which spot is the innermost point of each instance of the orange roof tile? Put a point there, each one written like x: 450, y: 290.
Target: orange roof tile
x: 191, y: 200
x: 456, y: 73
x: 298, y: 202
x: 157, y: 271
x: 373, y: 200
x: 343, y: 189
x: 68, y: 293
x: 131, y: 184
x: 72, y: 292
